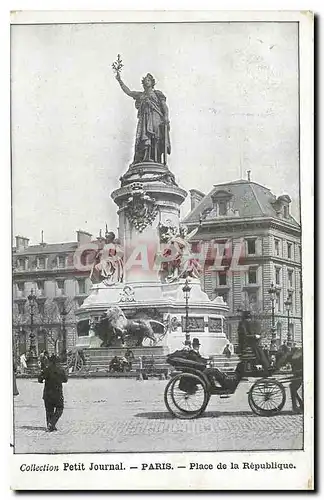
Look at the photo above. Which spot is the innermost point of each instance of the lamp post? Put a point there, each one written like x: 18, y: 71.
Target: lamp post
x: 186, y: 291
x: 288, y: 305
x: 32, y: 361
x: 63, y: 314
x: 273, y: 292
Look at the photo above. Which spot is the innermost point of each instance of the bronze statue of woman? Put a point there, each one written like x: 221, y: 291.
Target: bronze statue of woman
x: 153, y: 127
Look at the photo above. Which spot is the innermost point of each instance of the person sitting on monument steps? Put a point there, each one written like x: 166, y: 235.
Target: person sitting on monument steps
x: 152, y: 134
x: 129, y: 355
x: 247, y: 338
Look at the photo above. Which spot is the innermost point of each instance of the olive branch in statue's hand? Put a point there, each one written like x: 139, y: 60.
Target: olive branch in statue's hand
x: 117, y: 66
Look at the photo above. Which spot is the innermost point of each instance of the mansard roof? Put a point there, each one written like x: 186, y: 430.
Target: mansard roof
x: 47, y: 248
x: 249, y: 199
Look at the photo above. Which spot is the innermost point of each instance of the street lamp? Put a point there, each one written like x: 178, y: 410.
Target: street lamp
x: 32, y: 355
x: 186, y: 291
x: 63, y: 314
x: 288, y: 305
x: 273, y: 293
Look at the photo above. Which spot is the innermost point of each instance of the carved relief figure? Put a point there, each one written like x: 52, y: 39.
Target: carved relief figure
x: 180, y: 263
x: 108, y: 266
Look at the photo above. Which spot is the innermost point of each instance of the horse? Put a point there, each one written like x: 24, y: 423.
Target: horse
x: 114, y: 325
x: 295, y: 358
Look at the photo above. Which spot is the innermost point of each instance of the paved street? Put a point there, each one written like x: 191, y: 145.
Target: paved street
x: 103, y: 415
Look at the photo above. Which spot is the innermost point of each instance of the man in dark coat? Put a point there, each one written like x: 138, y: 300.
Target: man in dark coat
x: 54, y: 376
x: 249, y: 337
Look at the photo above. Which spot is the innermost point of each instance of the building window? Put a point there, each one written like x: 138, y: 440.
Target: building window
x: 61, y: 261
x: 277, y: 247
x: 292, y: 331
x: 252, y: 276
x: 40, y: 286
x: 41, y: 263
x: 222, y: 207
x: 278, y: 277
x: 82, y: 286
x: 286, y: 211
x: 60, y: 285
x: 21, y: 286
x: 252, y: 300
x: 220, y: 247
x: 279, y: 332
x: 290, y: 279
x: 251, y: 247
x: 41, y: 307
x: 21, y: 307
x: 289, y: 250
x: 21, y: 264
x: 278, y: 302
x: 222, y: 278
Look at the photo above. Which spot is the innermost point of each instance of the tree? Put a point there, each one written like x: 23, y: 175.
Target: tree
x: 54, y: 320
x: 48, y: 321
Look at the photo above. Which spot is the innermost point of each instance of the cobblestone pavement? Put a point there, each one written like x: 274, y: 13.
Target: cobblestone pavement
x: 103, y: 415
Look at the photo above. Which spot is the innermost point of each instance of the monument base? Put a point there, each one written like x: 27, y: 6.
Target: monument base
x: 164, y: 303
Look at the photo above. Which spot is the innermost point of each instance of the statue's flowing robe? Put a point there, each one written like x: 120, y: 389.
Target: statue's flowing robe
x: 150, y: 127
x: 108, y: 265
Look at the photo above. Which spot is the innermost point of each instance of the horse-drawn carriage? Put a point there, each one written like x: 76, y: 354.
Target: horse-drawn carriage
x: 188, y: 392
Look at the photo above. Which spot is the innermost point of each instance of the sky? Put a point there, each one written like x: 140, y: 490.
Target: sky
x: 232, y: 92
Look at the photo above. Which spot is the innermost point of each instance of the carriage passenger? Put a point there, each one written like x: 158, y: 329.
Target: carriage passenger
x: 214, y: 373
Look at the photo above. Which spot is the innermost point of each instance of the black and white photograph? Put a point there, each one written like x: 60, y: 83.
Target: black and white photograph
x: 158, y: 281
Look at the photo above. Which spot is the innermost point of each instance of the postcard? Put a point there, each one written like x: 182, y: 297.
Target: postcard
x: 162, y: 264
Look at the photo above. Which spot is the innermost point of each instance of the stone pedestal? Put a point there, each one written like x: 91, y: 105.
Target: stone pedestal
x: 164, y: 303
x: 148, y: 198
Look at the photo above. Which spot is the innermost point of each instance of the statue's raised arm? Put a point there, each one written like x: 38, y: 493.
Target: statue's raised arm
x: 132, y: 93
x: 153, y: 127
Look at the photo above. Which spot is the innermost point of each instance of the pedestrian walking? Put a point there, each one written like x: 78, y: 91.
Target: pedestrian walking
x: 54, y: 376
x: 228, y: 350
x: 23, y: 363
x: 43, y: 359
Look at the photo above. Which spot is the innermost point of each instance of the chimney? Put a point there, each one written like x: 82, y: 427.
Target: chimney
x: 21, y: 242
x: 83, y: 237
x: 249, y: 175
x: 195, y: 197
x: 42, y: 243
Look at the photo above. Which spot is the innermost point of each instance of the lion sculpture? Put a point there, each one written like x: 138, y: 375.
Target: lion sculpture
x: 114, y: 325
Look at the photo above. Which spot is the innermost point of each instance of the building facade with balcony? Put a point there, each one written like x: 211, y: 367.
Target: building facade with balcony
x: 247, y: 240
x: 60, y: 286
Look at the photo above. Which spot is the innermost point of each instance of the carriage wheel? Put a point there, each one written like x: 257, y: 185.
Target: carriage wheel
x: 186, y: 396
x: 267, y: 397
x: 79, y: 364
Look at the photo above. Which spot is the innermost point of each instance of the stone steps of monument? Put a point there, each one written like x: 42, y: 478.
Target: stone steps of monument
x: 120, y: 351
x: 99, y: 359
